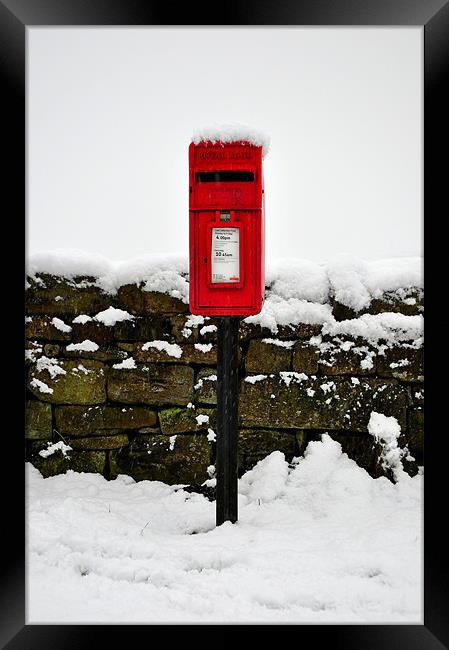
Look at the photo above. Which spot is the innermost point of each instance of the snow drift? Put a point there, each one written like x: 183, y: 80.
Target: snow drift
x: 318, y: 541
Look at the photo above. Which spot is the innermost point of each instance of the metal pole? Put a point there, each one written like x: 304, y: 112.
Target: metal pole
x: 227, y: 409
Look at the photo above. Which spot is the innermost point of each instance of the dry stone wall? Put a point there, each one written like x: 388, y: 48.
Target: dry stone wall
x: 148, y: 411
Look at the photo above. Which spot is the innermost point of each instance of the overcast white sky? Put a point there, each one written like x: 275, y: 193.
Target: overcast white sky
x: 111, y: 113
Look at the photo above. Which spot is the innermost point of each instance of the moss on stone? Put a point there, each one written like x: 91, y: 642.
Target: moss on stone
x: 83, y: 382
x: 180, y: 420
x: 57, y: 296
x: 51, y: 350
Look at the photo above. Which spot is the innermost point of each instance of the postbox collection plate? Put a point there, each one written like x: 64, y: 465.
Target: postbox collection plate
x: 225, y: 258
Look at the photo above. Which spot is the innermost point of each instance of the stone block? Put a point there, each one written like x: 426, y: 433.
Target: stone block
x: 114, y: 441
x: 143, y: 328
x: 256, y: 444
x: 38, y: 420
x: 284, y: 401
x: 403, y: 363
x: 82, y: 421
x: 305, y: 358
x: 416, y: 429
x: 343, y: 312
x: 180, y: 332
x: 249, y: 331
x: 366, y: 452
x: 57, y: 296
x: 92, y: 331
x: 417, y: 394
x: 43, y: 329
x: 208, y: 331
x: 345, y: 362
x: 106, y: 353
x: 57, y: 463
x: 409, y: 302
x: 135, y: 300
x: 151, y: 383
x: 267, y: 357
x: 198, y: 353
x: 78, y: 382
x: 183, y: 459
x: 206, y: 386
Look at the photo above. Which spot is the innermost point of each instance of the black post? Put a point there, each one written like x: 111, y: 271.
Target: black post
x: 227, y: 409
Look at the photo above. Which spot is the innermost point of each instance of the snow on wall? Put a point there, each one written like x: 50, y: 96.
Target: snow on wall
x: 164, y: 273
x: 355, y: 282
x: 297, y: 290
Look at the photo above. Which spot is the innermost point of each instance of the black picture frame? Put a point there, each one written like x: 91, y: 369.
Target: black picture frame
x: 433, y: 16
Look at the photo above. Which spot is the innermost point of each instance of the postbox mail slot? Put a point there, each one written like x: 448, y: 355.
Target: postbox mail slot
x: 225, y: 176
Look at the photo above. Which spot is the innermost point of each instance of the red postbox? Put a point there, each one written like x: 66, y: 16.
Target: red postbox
x: 227, y: 258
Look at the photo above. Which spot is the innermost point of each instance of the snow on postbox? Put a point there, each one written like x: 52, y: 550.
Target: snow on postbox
x: 226, y: 228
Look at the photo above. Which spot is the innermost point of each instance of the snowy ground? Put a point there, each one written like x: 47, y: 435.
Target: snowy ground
x: 319, y: 542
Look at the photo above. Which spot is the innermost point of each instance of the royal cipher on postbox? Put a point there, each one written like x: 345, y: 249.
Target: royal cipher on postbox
x: 226, y: 230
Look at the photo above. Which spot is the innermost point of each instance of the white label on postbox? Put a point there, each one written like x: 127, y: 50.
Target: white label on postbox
x: 225, y: 255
